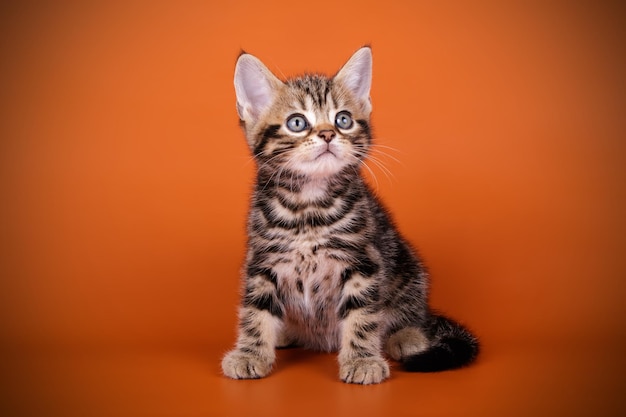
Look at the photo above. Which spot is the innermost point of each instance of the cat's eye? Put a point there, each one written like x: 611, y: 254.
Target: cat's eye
x: 297, y: 123
x: 343, y: 120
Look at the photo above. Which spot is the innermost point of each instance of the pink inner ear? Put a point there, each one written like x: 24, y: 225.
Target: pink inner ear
x: 259, y: 95
x: 356, y: 74
x: 253, y: 87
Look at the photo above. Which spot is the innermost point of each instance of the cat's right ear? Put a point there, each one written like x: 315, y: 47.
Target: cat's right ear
x: 356, y: 75
x: 255, y: 86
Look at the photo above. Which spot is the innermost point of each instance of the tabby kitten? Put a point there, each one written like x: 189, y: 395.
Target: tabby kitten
x: 326, y: 269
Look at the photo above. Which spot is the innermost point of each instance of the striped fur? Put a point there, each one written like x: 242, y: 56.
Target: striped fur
x: 326, y: 269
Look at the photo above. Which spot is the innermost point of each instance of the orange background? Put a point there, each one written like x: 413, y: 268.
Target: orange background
x: 125, y: 181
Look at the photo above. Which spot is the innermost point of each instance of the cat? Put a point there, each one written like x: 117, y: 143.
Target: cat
x: 326, y: 269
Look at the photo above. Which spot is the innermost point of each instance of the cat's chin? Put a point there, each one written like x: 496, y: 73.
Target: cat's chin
x: 323, y: 166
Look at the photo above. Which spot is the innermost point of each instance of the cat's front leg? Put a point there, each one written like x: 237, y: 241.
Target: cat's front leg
x: 360, y: 356
x: 260, y: 322
x: 254, y: 353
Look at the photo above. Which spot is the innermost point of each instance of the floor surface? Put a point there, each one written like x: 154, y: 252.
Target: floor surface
x: 506, y: 381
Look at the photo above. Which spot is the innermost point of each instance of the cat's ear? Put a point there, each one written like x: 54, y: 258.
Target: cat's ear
x: 356, y: 75
x: 255, y: 86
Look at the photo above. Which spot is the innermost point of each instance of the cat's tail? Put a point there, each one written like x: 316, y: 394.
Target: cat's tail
x: 451, y: 346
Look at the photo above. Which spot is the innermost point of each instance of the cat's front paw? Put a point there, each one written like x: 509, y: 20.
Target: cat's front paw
x: 242, y: 365
x: 364, y: 370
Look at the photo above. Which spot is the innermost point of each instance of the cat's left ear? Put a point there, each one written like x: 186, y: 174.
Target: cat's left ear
x: 356, y: 75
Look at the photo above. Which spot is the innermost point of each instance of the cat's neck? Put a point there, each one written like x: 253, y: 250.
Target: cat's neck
x: 306, y: 189
x: 314, y: 190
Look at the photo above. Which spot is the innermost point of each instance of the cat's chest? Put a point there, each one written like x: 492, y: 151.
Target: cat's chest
x: 309, y: 286
x: 308, y: 275
x: 309, y: 279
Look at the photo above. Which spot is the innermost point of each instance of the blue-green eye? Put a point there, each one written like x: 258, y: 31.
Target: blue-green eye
x: 343, y: 120
x: 297, y: 123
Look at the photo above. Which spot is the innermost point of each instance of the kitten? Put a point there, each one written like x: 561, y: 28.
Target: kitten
x: 326, y: 269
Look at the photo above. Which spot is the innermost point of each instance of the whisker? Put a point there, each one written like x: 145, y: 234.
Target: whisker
x: 372, y: 174
x: 358, y: 156
x: 388, y: 173
x: 377, y: 157
x: 277, y: 173
x: 378, y: 145
x: 378, y: 149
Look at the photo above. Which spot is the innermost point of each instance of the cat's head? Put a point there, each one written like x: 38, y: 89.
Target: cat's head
x: 312, y: 125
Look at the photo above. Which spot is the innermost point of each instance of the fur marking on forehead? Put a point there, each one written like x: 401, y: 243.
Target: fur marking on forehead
x: 316, y: 88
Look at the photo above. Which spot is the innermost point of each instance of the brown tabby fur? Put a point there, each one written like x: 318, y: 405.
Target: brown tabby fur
x: 326, y: 269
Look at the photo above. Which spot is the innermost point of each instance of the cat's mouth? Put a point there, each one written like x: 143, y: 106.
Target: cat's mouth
x: 326, y: 152
x: 324, y: 161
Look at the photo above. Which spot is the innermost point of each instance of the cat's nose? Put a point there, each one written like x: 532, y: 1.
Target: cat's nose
x: 327, y: 135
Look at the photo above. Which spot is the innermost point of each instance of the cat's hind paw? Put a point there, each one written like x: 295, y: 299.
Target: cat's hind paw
x: 405, y: 343
x: 364, y: 371
x: 242, y: 365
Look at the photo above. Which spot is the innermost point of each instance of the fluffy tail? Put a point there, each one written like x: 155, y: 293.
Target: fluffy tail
x: 451, y: 346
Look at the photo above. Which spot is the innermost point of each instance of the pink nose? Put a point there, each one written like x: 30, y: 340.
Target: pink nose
x: 327, y: 135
